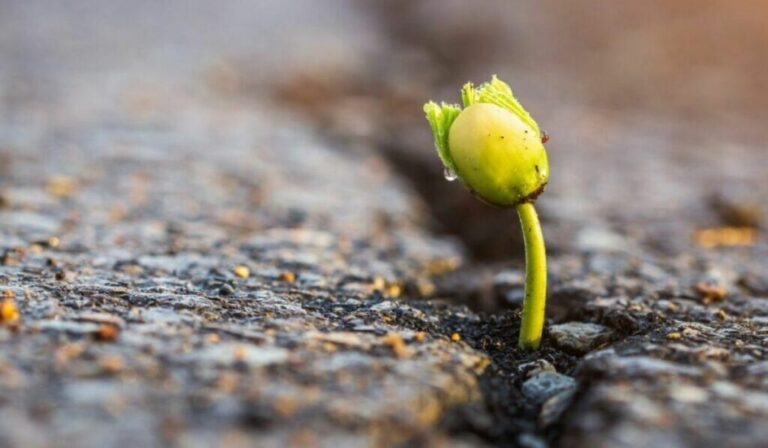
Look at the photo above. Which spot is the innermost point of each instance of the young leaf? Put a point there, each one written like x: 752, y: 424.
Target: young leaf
x: 441, y: 118
x: 468, y: 94
x: 499, y: 93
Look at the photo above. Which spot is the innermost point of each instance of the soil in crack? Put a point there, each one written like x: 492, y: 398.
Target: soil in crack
x: 504, y: 414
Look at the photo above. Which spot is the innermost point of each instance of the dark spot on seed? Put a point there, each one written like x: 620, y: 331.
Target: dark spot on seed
x: 537, y: 169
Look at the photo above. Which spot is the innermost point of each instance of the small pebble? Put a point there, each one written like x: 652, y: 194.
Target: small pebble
x: 396, y: 343
x: 393, y: 290
x: 107, y: 333
x: 533, y: 368
x: 710, y: 292
x: 242, y: 272
x: 674, y: 336
x: 426, y: 287
x: 726, y: 237
x: 61, y: 186
x: 379, y: 283
x: 111, y: 364
x: 386, y: 305
x: 546, y: 385
x: 9, y: 312
x: 579, y: 337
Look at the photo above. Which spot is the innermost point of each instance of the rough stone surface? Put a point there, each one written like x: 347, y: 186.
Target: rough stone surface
x: 546, y: 385
x: 215, y: 237
x: 579, y: 337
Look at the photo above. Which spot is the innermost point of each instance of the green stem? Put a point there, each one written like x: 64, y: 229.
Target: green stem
x: 535, y: 278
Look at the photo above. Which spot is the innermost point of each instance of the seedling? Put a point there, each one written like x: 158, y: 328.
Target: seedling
x: 496, y: 150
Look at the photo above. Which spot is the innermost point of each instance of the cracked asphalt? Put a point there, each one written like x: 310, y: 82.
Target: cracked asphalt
x: 209, y: 236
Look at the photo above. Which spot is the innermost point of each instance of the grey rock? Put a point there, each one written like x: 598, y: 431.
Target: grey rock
x: 758, y: 369
x: 579, y: 337
x: 69, y: 327
x: 546, y: 385
x: 579, y: 291
x: 652, y: 367
x: 231, y: 353
x: 609, y: 362
x: 553, y: 409
x: 386, y: 305
x: 757, y: 402
x: 528, y: 440
x: 533, y: 368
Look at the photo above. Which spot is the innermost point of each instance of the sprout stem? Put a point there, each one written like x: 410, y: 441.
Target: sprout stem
x: 535, y: 278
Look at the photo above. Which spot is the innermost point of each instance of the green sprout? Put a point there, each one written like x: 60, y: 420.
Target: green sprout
x: 497, y: 151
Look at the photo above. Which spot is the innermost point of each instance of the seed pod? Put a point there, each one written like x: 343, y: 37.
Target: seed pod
x: 493, y: 145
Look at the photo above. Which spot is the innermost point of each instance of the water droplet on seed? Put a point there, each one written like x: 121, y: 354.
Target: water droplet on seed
x: 449, y: 175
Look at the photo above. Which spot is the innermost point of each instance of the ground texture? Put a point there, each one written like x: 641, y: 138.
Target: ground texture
x: 204, y: 250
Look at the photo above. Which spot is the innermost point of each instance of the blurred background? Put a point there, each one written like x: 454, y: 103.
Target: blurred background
x: 656, y: 109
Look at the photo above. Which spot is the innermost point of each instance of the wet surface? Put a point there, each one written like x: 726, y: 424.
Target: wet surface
x: 214, y: 238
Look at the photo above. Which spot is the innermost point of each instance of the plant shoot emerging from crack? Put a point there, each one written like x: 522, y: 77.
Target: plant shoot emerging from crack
x: 494, y: 147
